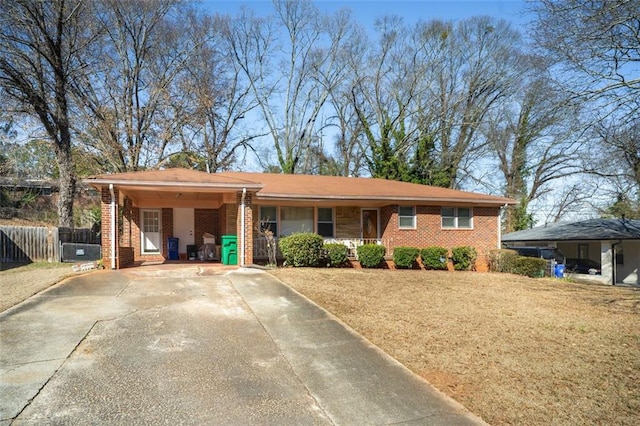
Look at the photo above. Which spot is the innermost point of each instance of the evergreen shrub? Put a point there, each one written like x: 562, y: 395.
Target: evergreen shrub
x: 405, y: 257
x: 301, y: 249
x: 464, y: 258
x: 336, y: 254
x: 371, y: 255
x: 434, y: 257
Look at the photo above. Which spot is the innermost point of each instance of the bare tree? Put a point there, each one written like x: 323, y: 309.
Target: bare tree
x: 292, y: 89
x: 41, y: 43
x: 217, y: 96
x: 620, y: 144
x: 533, y: 136
x: 347, y: 158
x: 596, y: 47
x: 132, y: 107
x: 597, y: 43
x: 383, y: 97
x: 425, y: 91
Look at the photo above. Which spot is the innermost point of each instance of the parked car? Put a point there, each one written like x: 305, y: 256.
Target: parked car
x: 583, y: 266
x: 546, y: 253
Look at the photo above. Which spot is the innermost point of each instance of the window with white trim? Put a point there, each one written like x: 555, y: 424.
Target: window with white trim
x: 457, y: 217
x: 406, y: 217
x: 325, y: 222
x: 269, y: 219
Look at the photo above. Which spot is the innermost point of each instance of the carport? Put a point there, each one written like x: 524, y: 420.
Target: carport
x: 142, y: 210
x: 613, y: 243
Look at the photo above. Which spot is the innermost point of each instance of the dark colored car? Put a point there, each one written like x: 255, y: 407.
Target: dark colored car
x: 546, y: 253
x: 583, y: 266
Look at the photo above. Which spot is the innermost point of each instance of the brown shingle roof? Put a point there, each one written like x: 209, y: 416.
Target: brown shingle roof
x: 281, y: 186
x: 302, y: 187
x: 174, y: 177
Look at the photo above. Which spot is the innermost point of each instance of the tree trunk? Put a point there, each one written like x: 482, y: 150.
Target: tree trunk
x: 67, y: 184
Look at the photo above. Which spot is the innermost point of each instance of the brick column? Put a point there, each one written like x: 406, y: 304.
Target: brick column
x: 127, y: 216
x: 248, y: 230
x: 167, y: 230
x: 107, y: 242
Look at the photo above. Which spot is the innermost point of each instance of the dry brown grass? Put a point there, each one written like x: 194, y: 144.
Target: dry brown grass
x: 513, y: 350
x: 19, y: 282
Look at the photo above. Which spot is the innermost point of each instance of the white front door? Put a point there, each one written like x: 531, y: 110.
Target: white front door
x: 183, y: 228
x: 151, y: 231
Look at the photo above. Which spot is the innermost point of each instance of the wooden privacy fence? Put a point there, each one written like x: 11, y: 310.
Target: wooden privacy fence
x: 24, y: 244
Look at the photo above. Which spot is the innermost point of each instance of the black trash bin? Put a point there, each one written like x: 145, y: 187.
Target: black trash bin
x: 172, y: 247
x: 192, y: 252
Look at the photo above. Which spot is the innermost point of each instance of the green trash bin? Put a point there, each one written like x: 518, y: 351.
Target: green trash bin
x: 229, y: 250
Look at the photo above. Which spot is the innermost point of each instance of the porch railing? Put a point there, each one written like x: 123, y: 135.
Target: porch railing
x: 260, y: 246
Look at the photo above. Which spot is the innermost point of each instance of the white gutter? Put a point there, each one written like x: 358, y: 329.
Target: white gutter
x: 242, y: 227
x: 113, y: 227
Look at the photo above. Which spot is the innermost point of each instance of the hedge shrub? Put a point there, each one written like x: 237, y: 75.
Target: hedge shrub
x: 434, y: 257
x: 502, y: 260
x: 405, y: 257
x: 464, y: 258
x: 337, y: 254
x: 370, y: 255
x: 301, y: 249
x: 529, y: 266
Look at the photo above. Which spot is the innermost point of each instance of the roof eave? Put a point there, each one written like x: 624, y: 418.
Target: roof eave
x: 165, y: 184
x: 439, y: 200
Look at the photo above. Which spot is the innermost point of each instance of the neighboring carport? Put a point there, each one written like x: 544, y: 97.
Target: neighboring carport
x: 614, y: 243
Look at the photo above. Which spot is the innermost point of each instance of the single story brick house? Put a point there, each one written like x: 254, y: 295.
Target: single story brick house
x: 613, y: 243
x: 142, y: 210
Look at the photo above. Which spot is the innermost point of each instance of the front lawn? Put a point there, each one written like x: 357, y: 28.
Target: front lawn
x: 513, y: 350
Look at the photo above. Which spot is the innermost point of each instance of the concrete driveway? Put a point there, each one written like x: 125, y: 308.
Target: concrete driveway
x: 196, y: 345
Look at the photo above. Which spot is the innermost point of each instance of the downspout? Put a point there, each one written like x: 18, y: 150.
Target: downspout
x: 613, y: 261
x: 500, y: 225
x: 113, y: 227
x: 242, y: 227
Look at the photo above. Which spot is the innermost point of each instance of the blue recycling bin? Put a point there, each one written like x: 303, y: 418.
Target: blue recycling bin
x: 172, y: 247
x: 559, y: 271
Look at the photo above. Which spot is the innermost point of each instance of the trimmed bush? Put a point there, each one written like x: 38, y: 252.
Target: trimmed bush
x: 434, y: 257
x: 301, y: 249
x: 502, y: 260
x: 529, y: 266
x: 337, y: 254
x: 405, y: 257
x: 464, y: 258
x: 370, y: 255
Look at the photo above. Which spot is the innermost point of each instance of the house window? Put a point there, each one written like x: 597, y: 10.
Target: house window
x: 295, y: 219
x: 269, y: 219
x: 406, y: 217
x: 325, y: 222
x: 456, y: 217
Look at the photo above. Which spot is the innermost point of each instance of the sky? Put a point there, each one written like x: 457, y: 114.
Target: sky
x: 366, y: 11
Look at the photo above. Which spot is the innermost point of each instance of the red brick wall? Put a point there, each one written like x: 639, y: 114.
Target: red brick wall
x: 205, y: 220
x: 429, y: 232
x: 167, y: 230
x: 136, y: 244
x: 105, y: 206
x: 125, y: 257
x: 248, y: 232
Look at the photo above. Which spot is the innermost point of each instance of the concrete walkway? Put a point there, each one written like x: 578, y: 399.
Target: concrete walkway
x: 196, y: 345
